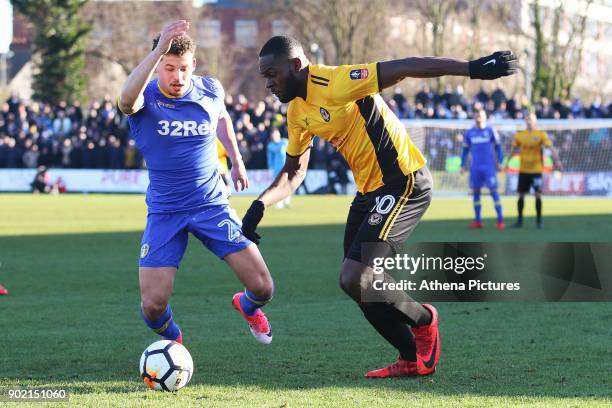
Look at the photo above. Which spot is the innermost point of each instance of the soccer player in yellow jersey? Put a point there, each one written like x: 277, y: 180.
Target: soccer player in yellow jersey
x: 342, y: 105
x: 530, y: 143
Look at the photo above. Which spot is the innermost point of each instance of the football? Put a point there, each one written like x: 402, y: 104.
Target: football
x: 166, y: 366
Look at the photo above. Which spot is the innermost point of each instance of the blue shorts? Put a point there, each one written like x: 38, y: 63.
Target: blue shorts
x: 483, y: 178
x: 165, y: 237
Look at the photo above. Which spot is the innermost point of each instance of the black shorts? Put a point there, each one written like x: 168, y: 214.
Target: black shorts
x: 528, y: 180
x: 380, y: 221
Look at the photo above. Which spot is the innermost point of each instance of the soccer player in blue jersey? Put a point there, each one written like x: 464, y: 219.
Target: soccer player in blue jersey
x: 482, y: 142
x: 175, y: 120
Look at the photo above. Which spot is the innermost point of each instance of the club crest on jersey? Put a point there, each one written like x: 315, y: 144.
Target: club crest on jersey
x: 325, y: 114
x: 375, y: 219
x: 144, y: 250
x: 359, y: 73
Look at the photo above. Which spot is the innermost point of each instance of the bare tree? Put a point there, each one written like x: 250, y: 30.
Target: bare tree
x: 234, y: 66
x: 437, y: 14
x: 122, y: 35
x: 487, y: 14
x: 123, y: 30
x: 554, y: 76
x: 345, y: 30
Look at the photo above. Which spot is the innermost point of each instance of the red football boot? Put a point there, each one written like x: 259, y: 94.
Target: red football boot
x: 475, y: 225
x: 427, y: 338
x: 3, y: 290
x: 401, y: 368
x: 258, y: 322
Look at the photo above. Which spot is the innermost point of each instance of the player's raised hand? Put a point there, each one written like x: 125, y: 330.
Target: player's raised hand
x: 239, y: 176
x: 251, y: 220
x: 169, y: 33
x: 496, y: 65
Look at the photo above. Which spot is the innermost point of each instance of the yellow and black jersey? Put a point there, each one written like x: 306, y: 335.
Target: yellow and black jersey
x: 530, y: 144
x: 343, y: 107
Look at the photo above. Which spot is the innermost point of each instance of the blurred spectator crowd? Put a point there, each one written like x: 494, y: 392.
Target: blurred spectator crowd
x: 453, y: 104
x: 97, y: 136
x: 66, y: 135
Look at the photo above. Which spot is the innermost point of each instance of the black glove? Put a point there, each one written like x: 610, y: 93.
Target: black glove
x: 251, y: 219
x: 496, y: 65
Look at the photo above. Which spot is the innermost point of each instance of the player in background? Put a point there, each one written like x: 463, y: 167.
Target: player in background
x: 223, y: 167
x: 529, y: 145
x: 175, y: 120
x: 342, y: 105
x: 3, y: 291
x: 276, y: 152
x: 483, y: 143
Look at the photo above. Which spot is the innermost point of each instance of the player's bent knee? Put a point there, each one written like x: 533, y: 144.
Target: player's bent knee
x: 350, y: 284
x: 153, y: 308
x: 260, y: 284
x: 263, y: 288
x: 344, y: 283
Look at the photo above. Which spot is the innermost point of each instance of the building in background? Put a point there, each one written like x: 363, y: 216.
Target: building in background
x: 230, y: 32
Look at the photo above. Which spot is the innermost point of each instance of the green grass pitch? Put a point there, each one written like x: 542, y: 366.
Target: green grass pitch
x: 72, y: 321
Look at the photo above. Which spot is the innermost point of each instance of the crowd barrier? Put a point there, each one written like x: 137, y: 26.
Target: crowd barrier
x: 136, y: 181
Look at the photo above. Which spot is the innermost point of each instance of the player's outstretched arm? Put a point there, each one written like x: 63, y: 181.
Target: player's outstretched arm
x: 131, y: 97
x: 288, y: 180
x: 225, y: 133
x: 464, y: 154
x: 513, y: 152
x: 556, y: 159
x: 499, y: 151
x: 496, y: 65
